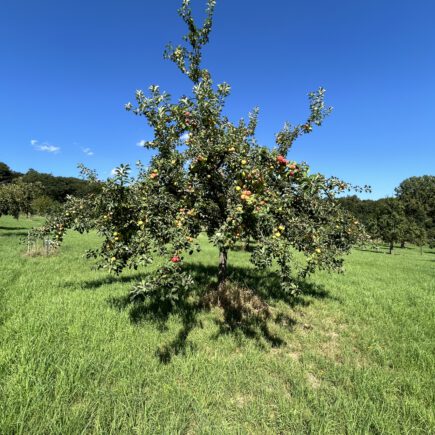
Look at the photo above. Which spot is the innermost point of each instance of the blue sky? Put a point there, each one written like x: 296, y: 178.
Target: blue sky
x: 68, y: 68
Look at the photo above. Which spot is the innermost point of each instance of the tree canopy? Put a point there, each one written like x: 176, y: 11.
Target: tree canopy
x: 219, y: 181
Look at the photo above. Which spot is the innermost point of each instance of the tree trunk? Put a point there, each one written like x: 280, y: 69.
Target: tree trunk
x: 222, y: 270
x: 391, y: 247
x: 402, y: 244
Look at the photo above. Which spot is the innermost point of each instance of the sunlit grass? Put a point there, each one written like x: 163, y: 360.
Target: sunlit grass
x: 355, y: 354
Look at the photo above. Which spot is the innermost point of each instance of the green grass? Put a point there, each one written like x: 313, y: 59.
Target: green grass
x: 355, y: 354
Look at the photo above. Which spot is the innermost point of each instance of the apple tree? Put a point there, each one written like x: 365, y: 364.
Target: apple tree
x: 210, y: 175
x: 16, y: 198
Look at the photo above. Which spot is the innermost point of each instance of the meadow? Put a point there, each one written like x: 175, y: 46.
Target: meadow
x: 354, y: 353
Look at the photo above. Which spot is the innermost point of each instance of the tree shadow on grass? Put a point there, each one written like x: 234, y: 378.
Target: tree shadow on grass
x: 14, y: 233
x: 266, y: 284
x: 13, y: 228
x: 180, y: 343
x: 264, y: 287
x: 254, y: 327
x: 159, y: 313
x: 267, y: 288
x: 372, y: 251
x: 94, y: 284
x: 243, y: 248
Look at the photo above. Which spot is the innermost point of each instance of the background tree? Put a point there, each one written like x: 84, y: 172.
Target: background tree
x: 58, y: 188
x: 220, y: 181
x: 44, y: 205
x: 55, y: 187
x: 418, y: 236
x: 417, y: 201
x: 364, y: 210
x: 417, y: 194
x: 7, y: 175
x: 17, y: 198
x: 389, y: 222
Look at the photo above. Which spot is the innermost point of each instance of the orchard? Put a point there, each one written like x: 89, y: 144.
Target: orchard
x: 209, y: 175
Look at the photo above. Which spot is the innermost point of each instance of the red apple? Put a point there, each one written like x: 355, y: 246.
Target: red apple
x: 281, y: 160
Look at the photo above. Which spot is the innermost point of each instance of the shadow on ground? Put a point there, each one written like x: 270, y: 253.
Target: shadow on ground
x: 95, y: 284
x: 13, y: 228
x: 14, y: 233
x: 372, y: 250
x: 251, y: 323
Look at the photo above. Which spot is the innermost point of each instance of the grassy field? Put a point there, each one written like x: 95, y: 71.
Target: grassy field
x: 353, y: 354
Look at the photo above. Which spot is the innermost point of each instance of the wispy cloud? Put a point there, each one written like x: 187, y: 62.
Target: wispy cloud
x: 141, y: 143
x: 88, y: 151
x: 48, y: 148
x: 113, y: 172
x: 45, y: 147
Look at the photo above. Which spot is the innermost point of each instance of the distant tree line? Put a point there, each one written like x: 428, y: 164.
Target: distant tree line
x: 409, y: 216
x: 37, y: 193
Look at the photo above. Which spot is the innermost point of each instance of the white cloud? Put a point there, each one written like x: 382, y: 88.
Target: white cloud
x: 113, y: 172
x: 45, y: 147
x: 185, y: 136
x: 88, y: 151
x: 141, y: 143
